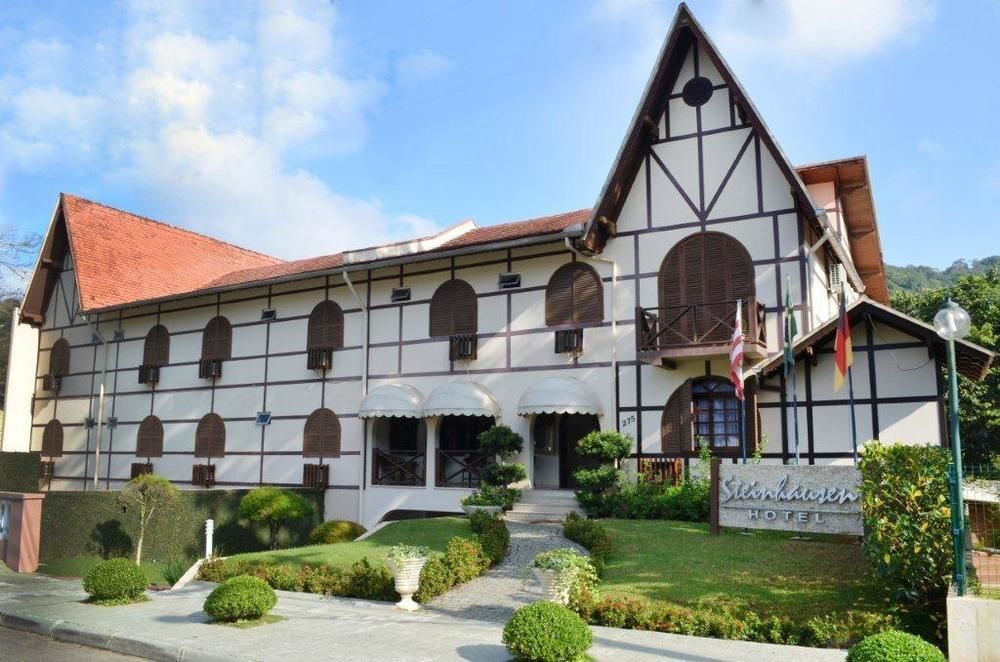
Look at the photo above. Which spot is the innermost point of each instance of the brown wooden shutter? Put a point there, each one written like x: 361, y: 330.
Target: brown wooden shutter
x: 574, y: 295
x: 454, y: 309
x: 217, y: 339
x: 149, y: 440
x: 59, y: 358
x: 321, y: 435
x: 156, y: 351
x: 210, y: 437
x: 52, y: 439
x: 326, y: 327
x: 676, y: 426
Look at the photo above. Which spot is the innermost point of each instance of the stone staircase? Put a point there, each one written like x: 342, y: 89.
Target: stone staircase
x: 544, y: 506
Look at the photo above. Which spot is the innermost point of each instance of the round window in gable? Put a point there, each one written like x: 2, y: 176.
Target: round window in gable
x: 697, y: 91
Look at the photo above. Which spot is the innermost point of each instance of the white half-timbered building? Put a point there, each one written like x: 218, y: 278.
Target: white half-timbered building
x: 145, y: 347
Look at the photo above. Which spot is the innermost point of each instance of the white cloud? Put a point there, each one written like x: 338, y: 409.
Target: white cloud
x: 419, y: 67
x: 214, y: 122
x: 814, y: 34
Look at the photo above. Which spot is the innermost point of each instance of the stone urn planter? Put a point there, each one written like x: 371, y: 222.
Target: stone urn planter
x: 490, y: 510
x: 551, y: 590
x: 405, y: 563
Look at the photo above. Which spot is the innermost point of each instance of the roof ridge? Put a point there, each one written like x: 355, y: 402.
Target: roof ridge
x: 171, y: 226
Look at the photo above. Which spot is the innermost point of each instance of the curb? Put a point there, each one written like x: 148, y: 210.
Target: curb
x: 70, y: 633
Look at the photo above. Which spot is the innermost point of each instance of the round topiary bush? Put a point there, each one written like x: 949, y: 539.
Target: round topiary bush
x: 894, y: 646
x: 546, y: 632
x: 240, y: 598
x: 334, y: 531
x: 115, y: 580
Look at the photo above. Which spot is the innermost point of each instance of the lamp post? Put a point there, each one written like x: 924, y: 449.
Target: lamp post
x: 952, y: 323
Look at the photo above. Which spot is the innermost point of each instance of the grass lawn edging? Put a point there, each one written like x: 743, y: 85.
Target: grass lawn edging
x: 839, y: 629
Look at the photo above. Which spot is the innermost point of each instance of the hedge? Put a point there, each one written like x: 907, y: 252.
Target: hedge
x: 76, y: 524
x: 19, y: 472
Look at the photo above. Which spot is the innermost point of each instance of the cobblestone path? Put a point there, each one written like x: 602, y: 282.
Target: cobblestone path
x: 498, y: 593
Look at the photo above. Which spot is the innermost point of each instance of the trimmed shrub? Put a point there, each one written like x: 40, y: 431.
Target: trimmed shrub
x: 494, y: 538
x: 591, y: 535
x: 213, y: 570
x: 546, y: 632
x: 906, y: 508
x: 465, y: 559
x: 369, y: 582
x: 502, y: 475
x: 274, y: 506
x: 281, y: 577
x: 435, y: 579
x: 500, y: 441
x: 115, y: 580
x: 323, y: 580
x: 606, y: 447
x: 493, y: 495
x: 894, y: 646
x: 335, y: 531
x: 240, y: 599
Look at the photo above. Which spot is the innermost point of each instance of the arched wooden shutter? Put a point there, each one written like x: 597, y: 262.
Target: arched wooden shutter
x: 217, y: 340
x: 321, y: 436
x: 52, y: 439
x: 326, y: 326
x: 676, y: 429
x: 156, y: 351
x: 59, y: 358
x: 700, y: 280
x: 574, y: 295
x: 149, y: 440
x: 210, y: 437
x: 454, y: 309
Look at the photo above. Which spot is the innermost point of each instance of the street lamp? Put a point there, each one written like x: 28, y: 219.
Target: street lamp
x: 952, y: 323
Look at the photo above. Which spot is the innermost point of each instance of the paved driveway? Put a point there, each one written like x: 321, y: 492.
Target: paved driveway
x: 18, y: 646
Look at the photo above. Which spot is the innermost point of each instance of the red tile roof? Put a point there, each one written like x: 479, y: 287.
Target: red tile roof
x: 123, y: 259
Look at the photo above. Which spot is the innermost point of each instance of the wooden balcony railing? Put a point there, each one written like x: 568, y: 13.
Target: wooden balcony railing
x: 398, y: 468
x: 459, y: 468
x: 698, y: 329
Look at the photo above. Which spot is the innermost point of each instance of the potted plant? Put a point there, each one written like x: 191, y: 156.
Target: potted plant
x: 481, y: 501
x: 405, y: 562
x: 555, y: 570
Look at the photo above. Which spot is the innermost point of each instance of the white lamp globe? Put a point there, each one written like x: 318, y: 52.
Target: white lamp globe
x: 952, y: 322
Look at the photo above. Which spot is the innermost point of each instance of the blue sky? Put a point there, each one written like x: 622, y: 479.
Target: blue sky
x: 300, y: 128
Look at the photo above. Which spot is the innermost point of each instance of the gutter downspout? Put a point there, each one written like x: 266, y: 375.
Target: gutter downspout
x: 364, y: 392
x: 100, y: 404
x: 614, y: 319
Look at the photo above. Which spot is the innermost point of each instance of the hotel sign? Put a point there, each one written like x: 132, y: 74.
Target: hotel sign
x: 807, y: 498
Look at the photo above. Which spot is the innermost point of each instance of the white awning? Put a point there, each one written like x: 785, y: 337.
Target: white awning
x: 461, y: 399
x: 559, y: 395
x: 392, y: 400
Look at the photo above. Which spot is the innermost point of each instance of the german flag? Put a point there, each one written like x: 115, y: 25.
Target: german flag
x: 844, y: 353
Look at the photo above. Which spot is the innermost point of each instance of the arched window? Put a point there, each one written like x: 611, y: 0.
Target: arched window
x: 149, y: 440
x: 52, y: 439
x: 454, y: 309
x: 574, y: 295
x: 700, y: 280
x: 156, y: 351
x: 326, y: 334
x: 210, y: 437
x: 216, y: 347
x: 321, y: 436
x: 58, y: 365
x: 706, y: 410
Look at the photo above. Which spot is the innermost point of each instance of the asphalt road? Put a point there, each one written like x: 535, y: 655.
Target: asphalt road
x: 17, y: 646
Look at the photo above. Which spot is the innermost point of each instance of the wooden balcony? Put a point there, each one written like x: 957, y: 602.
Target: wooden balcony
x: 664, y: 335
x: 459, y: 468
x: 398, y: 468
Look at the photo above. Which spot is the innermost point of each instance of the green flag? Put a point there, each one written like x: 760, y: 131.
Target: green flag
x: 790, y: 330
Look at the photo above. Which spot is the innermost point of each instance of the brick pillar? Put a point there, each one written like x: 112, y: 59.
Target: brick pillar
x: 24, y: 528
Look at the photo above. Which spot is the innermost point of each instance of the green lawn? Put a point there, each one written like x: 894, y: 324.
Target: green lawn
x: 434, y: 533
x: 80, y: 566
x: 767, y: 572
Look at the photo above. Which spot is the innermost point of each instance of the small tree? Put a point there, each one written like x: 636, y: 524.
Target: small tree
x: 274, y: 506
x: 150, y: 494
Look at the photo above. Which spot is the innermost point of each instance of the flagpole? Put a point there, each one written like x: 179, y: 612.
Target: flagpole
x: 850, y: 386
x: 791, y: 341
x: 795, y: 414
x: 743, y: 428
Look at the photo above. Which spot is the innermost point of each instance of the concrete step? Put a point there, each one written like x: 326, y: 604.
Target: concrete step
x: 544, y: 508
x: 532, y: 517
x: 533, y: 496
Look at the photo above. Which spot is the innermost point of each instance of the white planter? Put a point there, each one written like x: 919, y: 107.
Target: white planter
x: 407, y: 578
x: 550, y: 588
x: 491, y: 510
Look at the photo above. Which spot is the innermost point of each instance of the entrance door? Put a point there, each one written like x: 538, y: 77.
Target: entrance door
x: 573, y: 428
